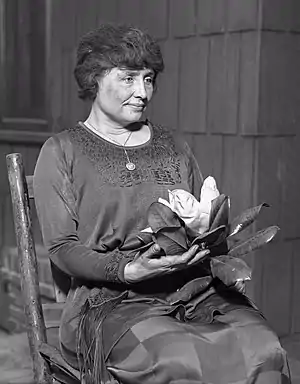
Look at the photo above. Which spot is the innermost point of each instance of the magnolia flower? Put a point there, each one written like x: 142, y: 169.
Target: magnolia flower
x: 195, y: 214
x: 209, y: 192
x: 226, y: 258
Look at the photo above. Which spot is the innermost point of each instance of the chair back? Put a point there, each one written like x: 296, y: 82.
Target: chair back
x: 21, y: 188
x: 28, y: 267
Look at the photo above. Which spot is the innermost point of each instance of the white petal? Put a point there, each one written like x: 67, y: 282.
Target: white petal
x: 147, y: 230
x: 165, y: 202
x: 209, y: 190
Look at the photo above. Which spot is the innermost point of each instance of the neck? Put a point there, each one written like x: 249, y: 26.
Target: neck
x: 106, y: 126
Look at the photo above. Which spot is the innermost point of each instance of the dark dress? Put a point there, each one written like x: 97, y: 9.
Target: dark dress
x: 185, y: 328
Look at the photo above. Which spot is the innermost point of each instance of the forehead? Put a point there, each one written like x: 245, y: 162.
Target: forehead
x: 135, y: 72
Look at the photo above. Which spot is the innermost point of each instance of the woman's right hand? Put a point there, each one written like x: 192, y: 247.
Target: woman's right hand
x: 152, y: 264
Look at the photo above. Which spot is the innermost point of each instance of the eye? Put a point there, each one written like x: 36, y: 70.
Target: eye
x: 128, y: 79
x: 148, y: 80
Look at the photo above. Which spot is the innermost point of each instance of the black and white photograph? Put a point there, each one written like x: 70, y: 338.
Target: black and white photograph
x: 149, y: 191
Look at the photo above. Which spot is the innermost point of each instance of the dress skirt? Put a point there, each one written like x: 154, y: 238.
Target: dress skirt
x: 233, y: 346
x: 236, y: 348
x: 218, y: 339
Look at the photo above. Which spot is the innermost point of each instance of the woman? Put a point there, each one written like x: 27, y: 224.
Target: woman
x: 127, y: 317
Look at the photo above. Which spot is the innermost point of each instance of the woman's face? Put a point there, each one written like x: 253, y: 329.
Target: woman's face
x: 123, y: 94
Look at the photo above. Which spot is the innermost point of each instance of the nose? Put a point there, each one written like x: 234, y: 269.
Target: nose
x: 140, y: 89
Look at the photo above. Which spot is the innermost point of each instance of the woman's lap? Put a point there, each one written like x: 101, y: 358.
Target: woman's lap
x: 237, y: 347
x: 221, y: 340
x: 263, y: 354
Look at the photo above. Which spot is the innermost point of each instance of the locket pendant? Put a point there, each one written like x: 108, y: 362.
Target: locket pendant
x: 130, y: 166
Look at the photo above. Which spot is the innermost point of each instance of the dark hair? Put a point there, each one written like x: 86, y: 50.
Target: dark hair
x: 112, y: 46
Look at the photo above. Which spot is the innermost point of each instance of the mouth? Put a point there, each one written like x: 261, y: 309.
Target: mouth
x: 137, y: 107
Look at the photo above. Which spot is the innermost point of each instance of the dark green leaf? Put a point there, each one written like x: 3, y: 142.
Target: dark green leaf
x: 178, y: 235
x: 219, y: 213
x: 145, y: 237
x: 172, y: 240
x: 161, y: 216
x: 259, y: 239
x: 229, y: 269
x: 212, y: 238
x: 190, y: 290
x: 246, y: 218
x: 168, y: 246
x: 219, y: 249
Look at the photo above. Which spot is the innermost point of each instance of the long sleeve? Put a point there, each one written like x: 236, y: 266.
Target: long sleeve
x: 57, y: 206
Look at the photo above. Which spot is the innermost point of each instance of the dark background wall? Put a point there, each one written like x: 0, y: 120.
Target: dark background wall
x: 231, y: 85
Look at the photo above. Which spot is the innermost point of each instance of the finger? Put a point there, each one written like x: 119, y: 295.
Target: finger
x: 200, y: 256
x: 188, y: 255
x: 154, y: 250
x: 177, y: 260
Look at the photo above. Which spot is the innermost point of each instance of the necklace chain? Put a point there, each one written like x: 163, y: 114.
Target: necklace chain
x: 129, y: 165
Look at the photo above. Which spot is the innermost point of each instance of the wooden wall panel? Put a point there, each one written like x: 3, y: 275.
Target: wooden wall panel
x: 254, y: 286
x: 281, y: 15
x: 88, y: 8
x: 242, y: 15
x: 155, y: 18
x: 67, y: 69
x: 165, y: 102
x: 238, y: 172
x: 23, y: 75
x: 9, y: 230
x: 107, y: 11
x: 66, y: 23
x: 211, y: 16
x: 290, y: 190
x: 4, y: 150
x: 217, y: 16
x: 23, y: 54
x: 30, y: 155
x: 130, y: 12
x: 277, y: 264
x: 249, y: 83
x: 208, y: 151
x: 55, y: 27
x: 8, y: 56
x: 2, y: 202
x: 56, y: 90
x: 216, y: 86
x: 268, y: 175
x: 4, y: 191
x: 279, y: 112
x: 223, y: 89
x: 182, y: 18
x: 78, y: 108
x: 232, y: 79
x: 295, y: 284
x: 193, y: 80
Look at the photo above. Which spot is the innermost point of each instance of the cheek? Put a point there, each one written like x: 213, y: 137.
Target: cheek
x: 150, y: 94
x: 118, y: 94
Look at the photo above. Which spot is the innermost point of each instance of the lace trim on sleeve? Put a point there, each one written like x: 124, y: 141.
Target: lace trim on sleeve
x: 112, y: 266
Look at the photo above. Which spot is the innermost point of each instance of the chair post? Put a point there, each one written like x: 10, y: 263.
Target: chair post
x: 29, y: 272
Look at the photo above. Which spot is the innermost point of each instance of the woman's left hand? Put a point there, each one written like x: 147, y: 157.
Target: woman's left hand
x: 152, y: 264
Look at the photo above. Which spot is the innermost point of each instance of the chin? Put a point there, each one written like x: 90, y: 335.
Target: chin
x: 133, y: 118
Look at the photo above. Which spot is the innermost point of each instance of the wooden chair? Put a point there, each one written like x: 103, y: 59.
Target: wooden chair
x: 40, y: 318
